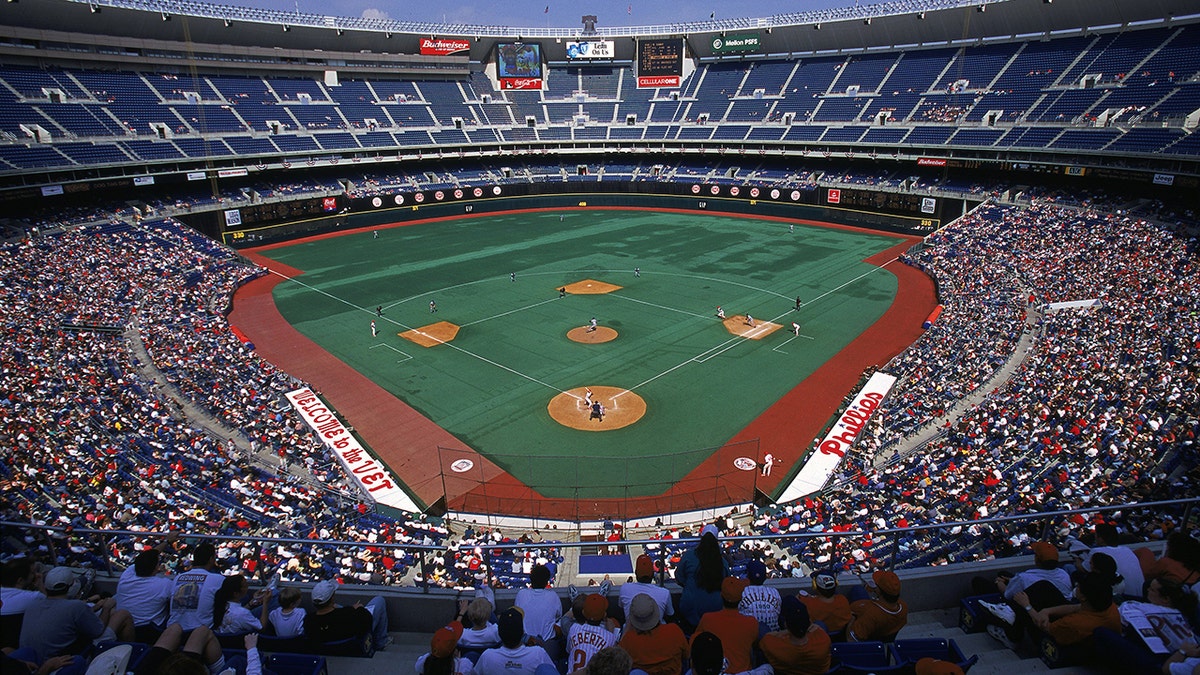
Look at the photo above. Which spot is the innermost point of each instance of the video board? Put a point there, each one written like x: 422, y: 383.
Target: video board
x: 659, y: 63
x: 519, y: 65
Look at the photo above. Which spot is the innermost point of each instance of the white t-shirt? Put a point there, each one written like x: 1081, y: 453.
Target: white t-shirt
x: 660, y: 595
x: 17, y: 599
x: 584, y: 641
x: 1128, y: 566
x: 543, y: 609
x: 483, y: 638
x: 238, y: 621
x: 148, y: 599
x: 287, y: 624
x: 192, y: 598
x: 520, y: 660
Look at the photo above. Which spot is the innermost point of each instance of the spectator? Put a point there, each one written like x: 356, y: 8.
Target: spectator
x: 760, y: 601
x: 1107, y: 542
x: 542, y: 609
x: 708, y: 658
x: 655, y: 647
x: 1161, y: 625
x: 331, y: 622
x: 1074, y: 624
x: 643, y: 571
x: 481, y: 633
x: 60, y: 623
x: 287, y: 620
x: 595, y: 633
x: 20, y: 582
x: 175, y: 648
x: 1180, y: 562
x: 826, y: 607
x: 194, y: 590
x: 229, y: 616
x: 802, y: 648
x: 880, y: 616
x: 607, y: 661
x: 145, y: 592
x: 738, y: 633
x: 513, y: 656
x: 700, y: 572
x: 1045, y: 585
x: 443, y: 657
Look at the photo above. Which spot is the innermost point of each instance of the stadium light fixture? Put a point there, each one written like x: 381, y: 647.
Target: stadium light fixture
x: 920, y: 15
x: 95, y: 8
x: 286, y: 28
x: 228, y: 23
x: 816, y: 26
x: 867, y: 21
x: 165, y: 16
x: 981, y: 9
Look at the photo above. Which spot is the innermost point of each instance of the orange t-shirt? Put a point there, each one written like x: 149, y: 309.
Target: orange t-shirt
x: 738, y: 634
x: 834, y: 612
x: 788, y: 657
x: 1078, y: 626
x: 873, y: 620
x: 659, y: 652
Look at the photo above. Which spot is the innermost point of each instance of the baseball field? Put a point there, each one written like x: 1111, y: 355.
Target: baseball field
x: 509, y: 365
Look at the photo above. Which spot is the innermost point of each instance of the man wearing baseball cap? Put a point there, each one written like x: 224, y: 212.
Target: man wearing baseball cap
x: 802, y: 647
x: 827, y: 608
x: 738, y: 632
x: 60, y: 624
x: 443, y: 655
x: 759, y: 601
x: 513, y: 656
x: 656, y: 647
x: 643, y: 571
x: 330, y: 622
x: 596, y: 632
x: 880, y: 616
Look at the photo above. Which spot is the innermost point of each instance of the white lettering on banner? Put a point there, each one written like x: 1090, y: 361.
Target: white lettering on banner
x: 824, y: 461
x: 367, y: 471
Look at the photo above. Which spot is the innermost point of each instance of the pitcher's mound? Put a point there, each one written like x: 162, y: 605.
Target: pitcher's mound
x: 738, y: 326
x: 621, y: 408
x: 590, y: 287
x: 582, y: 334
x: 431, y: 335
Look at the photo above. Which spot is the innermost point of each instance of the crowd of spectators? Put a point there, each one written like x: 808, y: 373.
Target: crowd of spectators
x: 1097, y: 413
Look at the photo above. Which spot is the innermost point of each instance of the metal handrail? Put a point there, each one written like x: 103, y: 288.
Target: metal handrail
x: 658, y: 547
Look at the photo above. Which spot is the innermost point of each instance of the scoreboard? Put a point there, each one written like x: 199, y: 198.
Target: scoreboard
x: 659, y: 63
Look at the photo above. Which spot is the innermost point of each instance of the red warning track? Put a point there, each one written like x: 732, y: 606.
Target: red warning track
x: 421, y: 453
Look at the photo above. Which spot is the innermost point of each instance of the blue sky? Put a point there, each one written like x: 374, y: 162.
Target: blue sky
x: 561, y: 14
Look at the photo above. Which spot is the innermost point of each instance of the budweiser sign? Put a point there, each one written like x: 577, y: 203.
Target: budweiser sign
x: 931, y: 161
x: 442, y: 47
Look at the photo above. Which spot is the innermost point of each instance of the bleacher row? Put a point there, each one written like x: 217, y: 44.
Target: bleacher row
x: 1123, y: 92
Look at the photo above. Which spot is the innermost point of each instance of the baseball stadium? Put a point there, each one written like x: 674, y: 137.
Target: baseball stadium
x: 414, y: 305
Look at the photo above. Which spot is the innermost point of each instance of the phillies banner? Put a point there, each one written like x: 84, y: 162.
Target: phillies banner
x: 823, y: 462
x: 370, y: 474
x: 443, y: 46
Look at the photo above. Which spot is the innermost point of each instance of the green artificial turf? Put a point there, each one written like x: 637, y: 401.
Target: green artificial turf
x: 491, y: 385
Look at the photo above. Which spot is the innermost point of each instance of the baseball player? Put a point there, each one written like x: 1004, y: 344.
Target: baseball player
x: 720, y: 313
x: 592, y: 325
x: 750, y: 321
x: 432, y: 306
x: 374, y: 332
x: 587, y: 396
x: 597, y: 411
x: 796, y: 329
x: 768, y: 462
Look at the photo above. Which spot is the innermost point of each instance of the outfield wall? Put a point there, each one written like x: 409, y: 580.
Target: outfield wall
x: 854, y: 206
